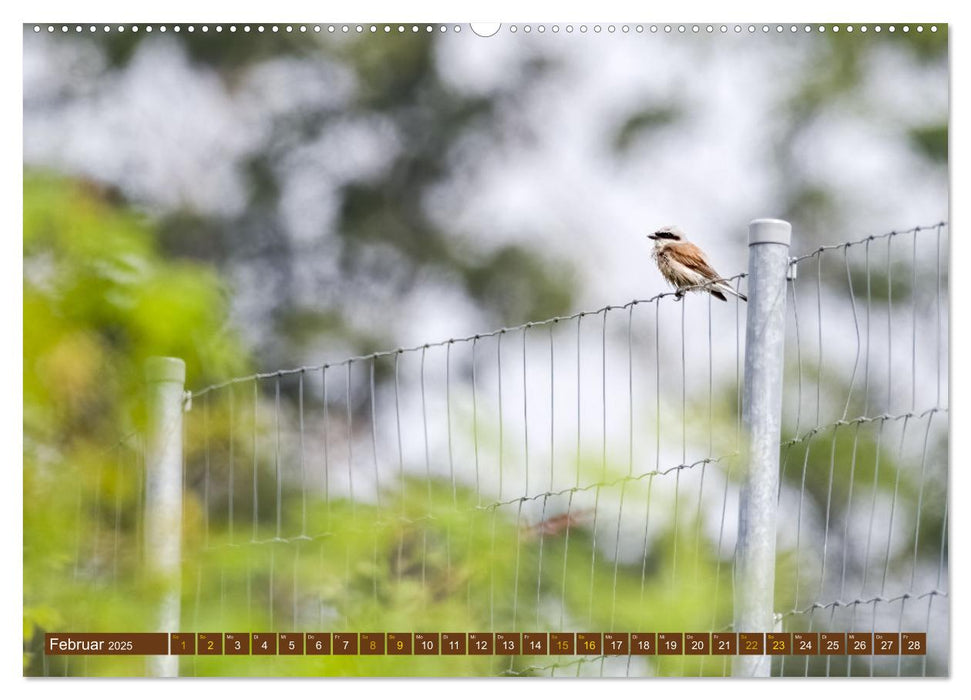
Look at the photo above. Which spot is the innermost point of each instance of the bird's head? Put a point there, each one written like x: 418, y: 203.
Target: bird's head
x: 667, y: 233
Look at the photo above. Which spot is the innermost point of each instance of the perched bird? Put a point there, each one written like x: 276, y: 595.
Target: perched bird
x: 684, y: 265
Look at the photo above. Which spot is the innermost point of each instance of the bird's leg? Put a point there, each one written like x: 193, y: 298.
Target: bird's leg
x: 678, y: 294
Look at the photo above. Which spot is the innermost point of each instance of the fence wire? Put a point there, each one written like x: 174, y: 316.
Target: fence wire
x: 863, y: 498
x: 575, y: 474
x: 553, y: 476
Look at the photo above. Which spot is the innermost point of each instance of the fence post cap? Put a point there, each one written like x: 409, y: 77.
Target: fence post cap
x: 769, y: 231
x: 164, y: 369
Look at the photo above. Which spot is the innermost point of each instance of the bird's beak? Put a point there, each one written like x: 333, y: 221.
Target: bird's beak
x: 652, y: 236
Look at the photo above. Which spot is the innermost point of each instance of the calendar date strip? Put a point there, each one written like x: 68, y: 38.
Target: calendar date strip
x: 486, y: 643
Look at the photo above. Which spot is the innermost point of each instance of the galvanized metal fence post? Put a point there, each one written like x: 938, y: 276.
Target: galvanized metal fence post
x: 163, y: 497
x: 762, y: 415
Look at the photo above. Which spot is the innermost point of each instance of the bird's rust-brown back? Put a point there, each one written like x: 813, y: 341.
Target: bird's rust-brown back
x: 691, y: 256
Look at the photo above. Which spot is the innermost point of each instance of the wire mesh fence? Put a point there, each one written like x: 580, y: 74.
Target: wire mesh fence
x: 579, y: 474
x: 864, y: 465
x: 538, y: 478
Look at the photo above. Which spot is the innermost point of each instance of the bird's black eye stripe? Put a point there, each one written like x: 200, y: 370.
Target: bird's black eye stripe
x: 663, y: 234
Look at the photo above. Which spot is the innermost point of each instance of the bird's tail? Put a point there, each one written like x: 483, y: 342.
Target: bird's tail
x: 720, y: 288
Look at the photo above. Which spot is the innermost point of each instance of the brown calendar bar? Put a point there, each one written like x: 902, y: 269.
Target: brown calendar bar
x: 886, y: 643
x: 182, y: 643
x: 697, y: 643
x: 454, y: 643
x: 291, y: 643
x: 489, y: 643
x: 210, y: 644
x: 670, y: 643
x: 643, y: 643
x: 236, y: 643
x: 97, y: 644
x: 344, y: 643
x: 724, y: 643
x: 372, y: 643
x: 590, y: 643
x: 616, y: 643
x: 508, y: 643
x: 399, y: 643
x: 318, y: 643
x: 481, y: 643
x: 751, y: 643
x: 778, y: 643
x: 832, y: 643
x: 913, y: 643
x: 537, y: 643
x: 563, y: 643
x: 805, y: 643
x: 427, y: 643
x: 264, y: 643
x: 859, y: 643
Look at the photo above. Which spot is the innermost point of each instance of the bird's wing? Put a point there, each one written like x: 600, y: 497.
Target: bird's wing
x: 691, y: 256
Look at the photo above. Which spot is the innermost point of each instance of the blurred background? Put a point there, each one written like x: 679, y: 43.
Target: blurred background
x: 257, y: 201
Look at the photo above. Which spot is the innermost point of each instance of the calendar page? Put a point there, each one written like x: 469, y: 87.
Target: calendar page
x: 556, y: 349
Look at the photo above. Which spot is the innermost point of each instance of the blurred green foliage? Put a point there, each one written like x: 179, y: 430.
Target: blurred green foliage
x: 649, y: 119
x: 98, y: 300
x: 268, y: 554
x: 386, y: 240
x: 835, y: 82
x: 932, y: 141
